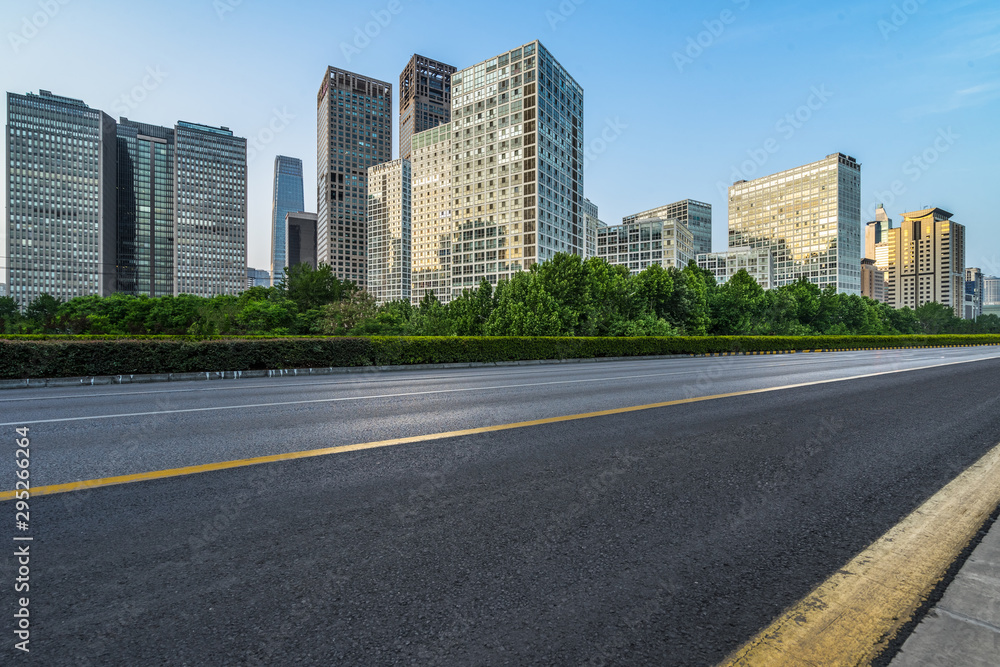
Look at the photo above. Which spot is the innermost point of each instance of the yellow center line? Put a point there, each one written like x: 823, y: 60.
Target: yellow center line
x: 850, y: 619
x: 291, y: 456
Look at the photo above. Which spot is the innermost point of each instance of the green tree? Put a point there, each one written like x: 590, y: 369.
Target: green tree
x: 524, y: 308
x: 313, y: 288
x: 936, y: 318
x: 10, y: 314
x: 470, y: 312
x: 41, y: 313
x: 737, y: 306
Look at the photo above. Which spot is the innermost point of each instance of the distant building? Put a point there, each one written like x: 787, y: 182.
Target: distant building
x: 258, y: 278
x: 695, y: 215
x: 3, y: 289
x: 926, y: 261
x: 354, y: 132
x: 974, y: 286
x: 424, y: 99
x: 877, y: 232
x: 431, y: 219
x: 724, y: 265
x: 287, y: 198
x: 809, y: 217
x: 640, y: 244
x: 61, y: 227
x: 389, y: 226
x: 991, y: 291
x: 592, y: 224
x: 873, y: 281
x: 300, y: 241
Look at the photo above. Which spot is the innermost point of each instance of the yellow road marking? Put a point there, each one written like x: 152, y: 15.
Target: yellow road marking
x: 851, y: 618
x: 291, y: 456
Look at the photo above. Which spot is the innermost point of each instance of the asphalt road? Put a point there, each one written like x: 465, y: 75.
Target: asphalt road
x: 667, y: 536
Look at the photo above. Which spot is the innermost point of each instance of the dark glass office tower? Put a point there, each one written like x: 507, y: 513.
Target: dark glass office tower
x: 288, y: 198
x: 424, y: 99
x: 145, y: 209
x: 60, y: 198
x: 354, y: 132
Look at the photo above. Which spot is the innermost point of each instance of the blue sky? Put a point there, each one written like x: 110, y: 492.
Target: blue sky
x: 691, y: 95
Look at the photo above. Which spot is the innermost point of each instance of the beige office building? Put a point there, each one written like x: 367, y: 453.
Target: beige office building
x: 873, y: 282
x: 640, y: 244
x: 926, y: 261
x: 810, y: 219
x: 389, y: 231
x: 431, y: 220
x: 724, y: 265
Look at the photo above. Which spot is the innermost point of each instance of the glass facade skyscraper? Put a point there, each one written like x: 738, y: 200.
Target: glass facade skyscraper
x: 61, y: 234
x: 810, y: 219
x: 354, y: 132
x: 211, y: 208
x: 647, y: 241
x: 517, y: 165
x: 145, y: 204
x: 288, y: 198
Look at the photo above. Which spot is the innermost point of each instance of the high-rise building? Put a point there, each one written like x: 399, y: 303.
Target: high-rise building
x: 724, y: 265
x: 300, y: 240
x: 877, y: 232
x: 430, y: 169
x: 354, y: 132
x: 424, y: 99
x: 695, y: 215
x: 389, y: 231
x: 517, y: 165
x: 591, y: 224
x: 873, y: 283
x: 926, y: 261
x: 61, y: 165
x: 288, y: 198
x: 211, y: 209
x: 809, y: 217
x: 145, y: 207
x: 647, y: 241
x: 974, y: 287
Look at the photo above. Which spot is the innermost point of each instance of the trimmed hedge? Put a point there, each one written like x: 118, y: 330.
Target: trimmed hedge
x: 61, y: 357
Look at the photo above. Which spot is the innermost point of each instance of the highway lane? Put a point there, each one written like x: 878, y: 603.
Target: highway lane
x: 668, y: 536
x: 95, y: 432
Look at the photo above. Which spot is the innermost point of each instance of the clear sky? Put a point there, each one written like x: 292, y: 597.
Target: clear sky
x: 690, y: 95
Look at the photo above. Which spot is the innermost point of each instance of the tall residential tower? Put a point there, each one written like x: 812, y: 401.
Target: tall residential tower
x: 517, y: 165
x: 288, y: 198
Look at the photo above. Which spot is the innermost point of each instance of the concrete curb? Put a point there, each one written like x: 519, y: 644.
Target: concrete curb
x: 38, y: 383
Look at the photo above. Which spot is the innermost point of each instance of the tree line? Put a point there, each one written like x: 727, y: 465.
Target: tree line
x: 566, y: 296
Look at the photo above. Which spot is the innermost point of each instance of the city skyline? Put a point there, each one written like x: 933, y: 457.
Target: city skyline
x: 634, y: 135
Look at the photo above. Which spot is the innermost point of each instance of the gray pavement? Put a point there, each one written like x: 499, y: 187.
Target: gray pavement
x: 669, y: 536
x: 964, y: 627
